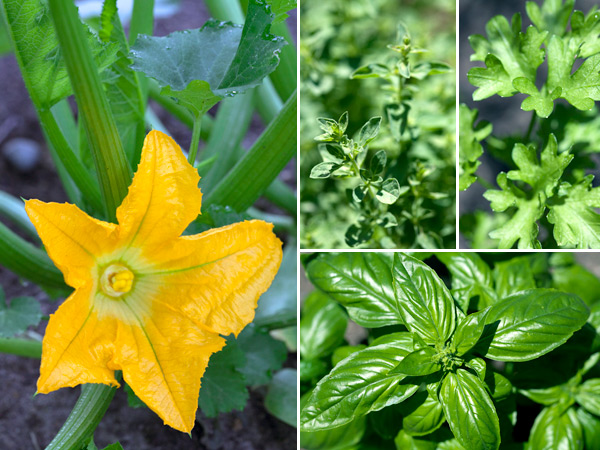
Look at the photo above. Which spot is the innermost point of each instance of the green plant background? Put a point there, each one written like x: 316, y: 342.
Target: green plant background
x: 337, y: 38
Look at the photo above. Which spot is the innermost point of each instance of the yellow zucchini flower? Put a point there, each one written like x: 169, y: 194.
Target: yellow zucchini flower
x: 148, y: 301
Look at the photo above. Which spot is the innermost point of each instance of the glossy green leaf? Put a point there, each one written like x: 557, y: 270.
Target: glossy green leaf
x: 362, y: 282
x: 529, y: 324
x: 497, y: 385
x: 470, y: 411
x: 556, y: 429
x: 282, y: 396
x: 418, y: 363
x: 471, y: 277
x: 20, y: 314
x: 479, y: 367
x: 344, y: 351
x: 547, y: 396
x: 577, y: 280
x: 199, y: 67
x: 322, y: 326
x: 588, y: 395
x: 514, y: 275
x: 358, y: 385
x: 425, y: 419
x: 468, y: 332
x: 427, y: 305
x: 590, y: 425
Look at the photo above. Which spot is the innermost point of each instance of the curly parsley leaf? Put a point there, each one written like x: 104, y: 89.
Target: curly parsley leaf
x: 543, y: 177
x: 576, y: 223
x: 470, y: 137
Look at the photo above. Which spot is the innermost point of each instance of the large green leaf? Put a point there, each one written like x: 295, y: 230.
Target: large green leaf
x: 470, y: 411
x: 22, y: 313
x: 529, y: 324
x: 359, y: 384
x: 517, y: 274
x: 468, y: 332
x: 425, y: 418
x: 223, y: 385
x: 577, y: 280
x: 591, y: 427
x: 264, y: 355
x: 200, y: 67
x: 588, y: 395
x: 556, y: 429
x: 427, y: 305
x: 36, y: 46
x: 471, y: 277
x: 362, y: 282
x: 322, y: 326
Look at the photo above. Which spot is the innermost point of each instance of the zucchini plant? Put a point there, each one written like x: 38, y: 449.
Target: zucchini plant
x: 507, y: 357
x: 552, y: 65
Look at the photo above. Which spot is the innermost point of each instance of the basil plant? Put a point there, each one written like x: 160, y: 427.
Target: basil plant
x: 507, y: 357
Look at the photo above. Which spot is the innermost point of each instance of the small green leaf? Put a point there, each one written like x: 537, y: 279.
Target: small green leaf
x: 470, y: 411
x: 336, y: 151
x: 591, y: 427
x: 358, y: 385
x: 554, y: 428
x: 390, y: 191
x: 468, y: 332
x: 427, y: 305
x: 378, y: 162
x: 425, y: 419
x: 358, y: 234
x: 223, y: 385
x: 388, y: 220
x: 470, y: 136
x: 22, y: 313
x: 542, y: 103
x: 200, y: 67
x: 362, y: 282
x: 418, y: 363
x: 531, y: 323
x: 324, y: 170
x: 369, y: 131
x: 133, y: 400
x: 281, y: 398
x: 375, y: 70
x: 588, y: 395
x: 322, y: 326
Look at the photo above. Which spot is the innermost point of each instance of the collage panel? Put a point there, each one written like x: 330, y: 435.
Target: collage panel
x: 528, y: 87
x: 450, y: 350
x: 377, y: 124
x: 148, y: 251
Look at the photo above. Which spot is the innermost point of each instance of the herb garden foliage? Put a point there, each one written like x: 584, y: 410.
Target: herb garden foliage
x: 512, y: 343
x: 96, y: 154
x: 547, y: 185
x: 383, y: 174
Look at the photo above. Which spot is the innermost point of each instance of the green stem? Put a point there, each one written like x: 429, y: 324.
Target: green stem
x: 195, y: 140
x: 531, y: 125
x: 113, y: 170
x: 280, y: 194
x: 21, y: 347
x: 84, y: 418
x: 261, y: 164
x: 28, y: 261
x: 14, y: 210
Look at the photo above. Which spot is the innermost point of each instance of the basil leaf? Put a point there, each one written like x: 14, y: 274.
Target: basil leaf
x: 468, y: 332
x: 529, y: 324
x: 497, y: 385
x: 470, y: 411
x: 514, y: 275
x: 427, y: 306
x: 471, y: 277
x: 322, y: 326
x: 418, y: 363
x: 553, y: 429
x: 344, y: 351
x: 425, y: 418
x: 358, y: 385
x: 387, y: 422
x: 590, y: 426
x: 362, y: 282
x: 339, y: 438
x: 588, y: 395
x: 479, y: 366
x: 546, y: 396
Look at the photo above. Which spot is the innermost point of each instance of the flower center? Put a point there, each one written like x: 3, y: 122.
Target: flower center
x: 116, y: 280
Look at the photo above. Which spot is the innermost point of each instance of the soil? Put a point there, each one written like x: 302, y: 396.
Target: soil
x: 28, y: 422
